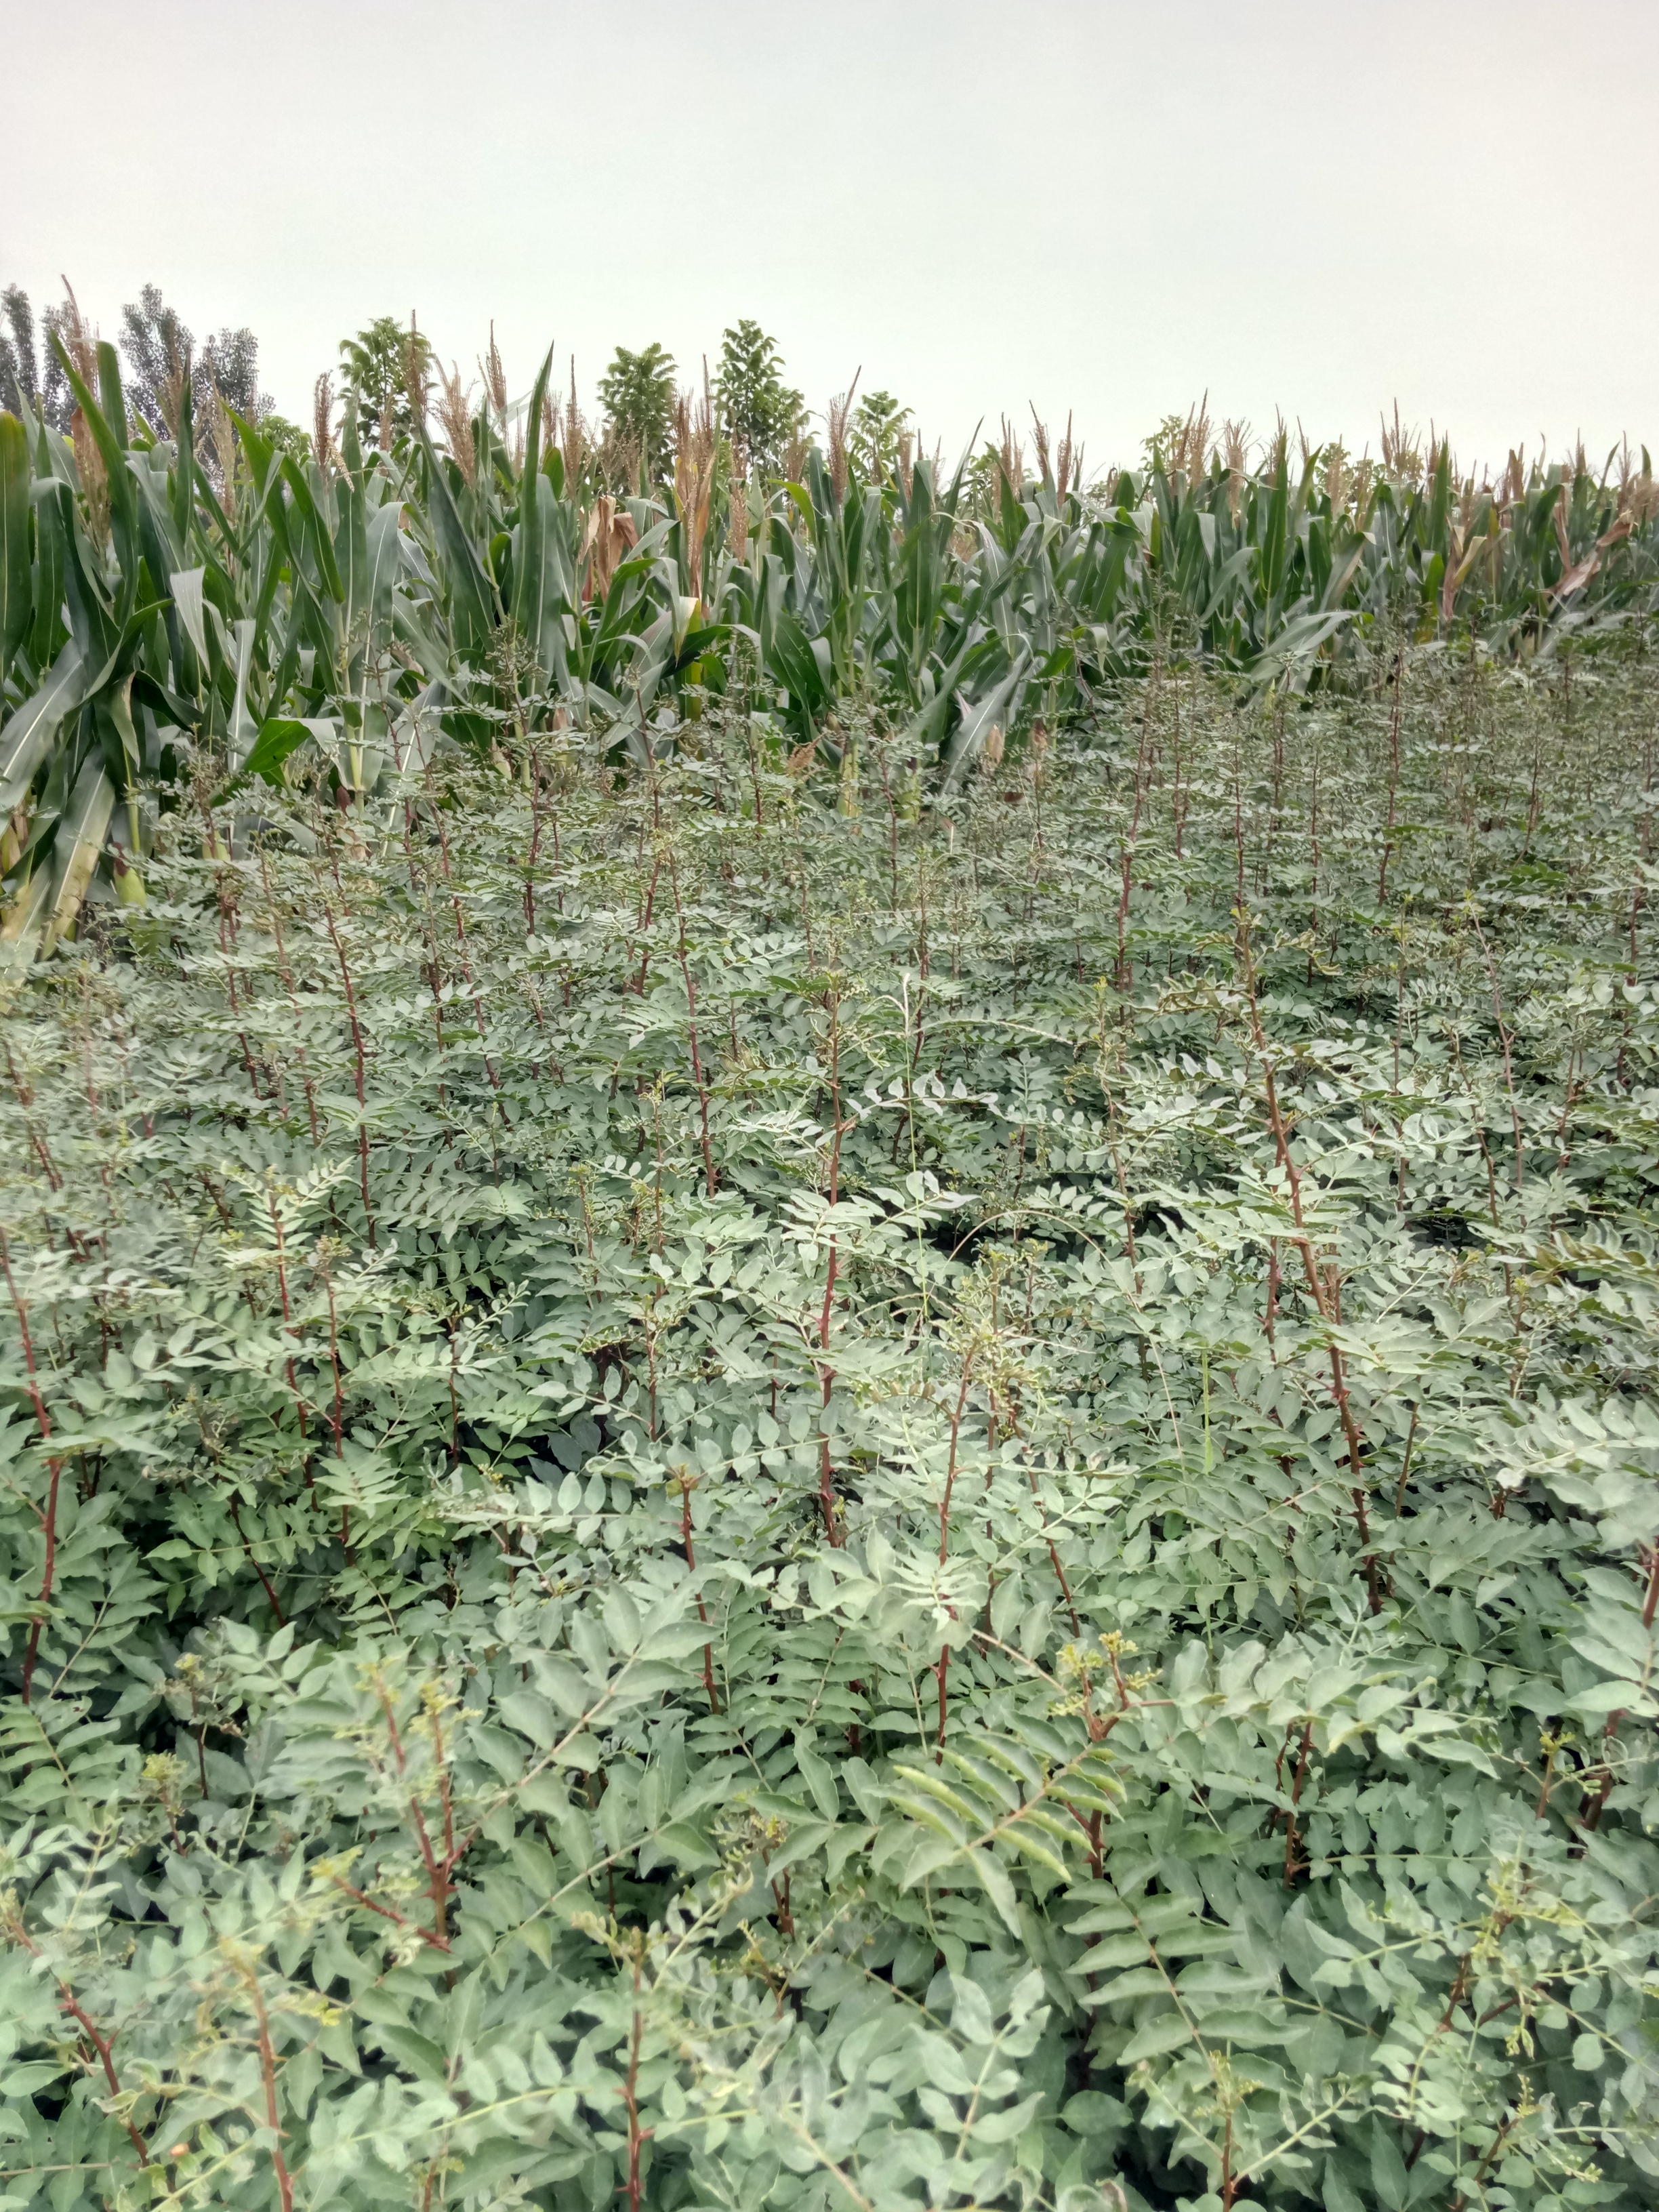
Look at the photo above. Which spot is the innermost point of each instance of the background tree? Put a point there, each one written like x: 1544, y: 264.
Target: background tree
x: 160, y: 351
x: 757, y: 410
x: 19, y: 374
x: 873, y: 436
x: 386, y: 370
x: 637, y: 394
x: 232, y: 361
x: 287, y: 437
x: 29, y: 373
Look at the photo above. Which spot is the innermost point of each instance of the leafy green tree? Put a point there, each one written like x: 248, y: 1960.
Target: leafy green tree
x: 873, y: 436
x: 758, y: 410
x: 19, y: 375
x: 385, y: 369
x: 1157, y: 451
x: 637, y: 394
x: 28, y: 379
x: 287, y: 437
x: 160, y: 352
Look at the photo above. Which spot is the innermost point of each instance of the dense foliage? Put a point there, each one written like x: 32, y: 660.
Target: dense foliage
x: 728, y: 1484
x: 759, y: 412
x: 386, y: 371
x: 160, y: 353
x: 637, y: 394
x: 193, y: 581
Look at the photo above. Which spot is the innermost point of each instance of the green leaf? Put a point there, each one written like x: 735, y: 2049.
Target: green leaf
x: 819, y: 1777
x: 1389, y: 2175
x: 999, y: 1886
x: 26, y: 738
x: 80, y: 841
x: 470, y: 595
x: 1166, y: 2030
x: 282, y: 735
x: 16, y: 572
x: 682, y: 1843
x: 186, y: 585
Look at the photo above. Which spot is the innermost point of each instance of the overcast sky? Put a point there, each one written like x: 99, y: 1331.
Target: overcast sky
x: 1317, y: 205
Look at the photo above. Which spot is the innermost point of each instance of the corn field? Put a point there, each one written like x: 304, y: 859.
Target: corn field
x: 156, y: 614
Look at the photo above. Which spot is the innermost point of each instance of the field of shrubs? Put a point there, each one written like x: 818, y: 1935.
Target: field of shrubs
x: 829, y: 1326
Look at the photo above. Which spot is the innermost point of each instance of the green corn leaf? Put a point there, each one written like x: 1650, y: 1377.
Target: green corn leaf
x: 470, y: 594
x: 313, y: 531
x: 16, y: 571
x: 537, y: 601
x: 186, y: 586
x: 24, y: 740
x: 279, y: 737
x: 109, y: 432
x: 80, y: 841
x: 383, y: 565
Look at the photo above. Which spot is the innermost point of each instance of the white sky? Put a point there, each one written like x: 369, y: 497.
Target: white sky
x: 1319, y: 205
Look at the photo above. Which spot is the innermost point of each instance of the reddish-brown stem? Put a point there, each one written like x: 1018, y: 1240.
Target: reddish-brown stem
x: 25, y: 1099
x: 943, y: 1669
x: 288, y: 1315
x: 1292, y: 1838
x: 691, y: 1002
x: 1123, y: 976
x: 101, y: 2045
x: 1054, y: 1557
x: 535, y: 843
x: 826, y: 1373
x: 48, y: 1519
x: 1394, y: 780
x: 357, y: 1068
x: 338, y: 1421
x: 1324, y: 1290
x: 702, y: 1610
x: 454, y: 1402
x: 1505, y: 1039
x: 287, y: 975
x: 1591, y: 1811
x: 637, y: 2136
x: 227, y: 946
x: 951, y: 1464
x: 1406, y: 1467
x: 268, y: 2072
x: 1229, y: 2178
x: 1092, y: 1828
x: 826, y: 1378
x: 386, y: 1912
x: 435, y: 978
x: 264, y: 1580
x: 780, y: 1899
x: 392, y: 1731
x: 460, y: 939
x: 1493, y: 2149
x: 645, y: 925
x: 441, y: 1873
x: 439, y: 1870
